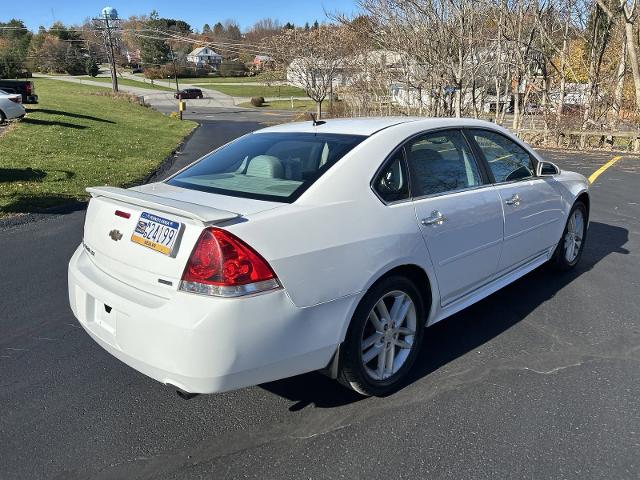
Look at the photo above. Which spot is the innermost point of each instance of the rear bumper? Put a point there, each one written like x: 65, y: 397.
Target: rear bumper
x: 201, y: 344
x: 14, y: 111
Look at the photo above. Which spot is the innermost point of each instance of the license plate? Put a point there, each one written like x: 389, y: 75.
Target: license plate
x: 157, y: 233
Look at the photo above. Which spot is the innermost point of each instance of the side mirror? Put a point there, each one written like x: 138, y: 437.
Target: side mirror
x: 547, y: 169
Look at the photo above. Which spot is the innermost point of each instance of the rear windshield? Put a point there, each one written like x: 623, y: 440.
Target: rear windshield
x: 267, y: 166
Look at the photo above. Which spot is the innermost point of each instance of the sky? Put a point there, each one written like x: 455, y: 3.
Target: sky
x: 195, y: 12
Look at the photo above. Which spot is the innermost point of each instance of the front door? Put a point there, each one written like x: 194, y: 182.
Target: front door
x: 533, y: 215
x: 460, y: 214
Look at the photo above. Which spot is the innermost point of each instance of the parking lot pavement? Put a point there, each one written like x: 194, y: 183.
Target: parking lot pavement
x: 540, y: 380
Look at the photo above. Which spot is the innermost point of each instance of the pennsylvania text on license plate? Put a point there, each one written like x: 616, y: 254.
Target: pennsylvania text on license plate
x: 155, y: 232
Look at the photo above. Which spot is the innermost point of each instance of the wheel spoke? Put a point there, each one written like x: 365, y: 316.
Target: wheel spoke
x: 401, y: 311
x: 402, y: 343
x: 382, y: 358
x: 397, y: 304
x: 371, y: 340
x: 382, y: 310
x: 377, y: 324
x: 405, y: 331
x: 570, y: 251
x: 372, y: 353
x: 391, y: 353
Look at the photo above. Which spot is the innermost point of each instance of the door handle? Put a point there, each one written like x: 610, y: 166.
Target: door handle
x: 514, y: 200
x: 436, y: 218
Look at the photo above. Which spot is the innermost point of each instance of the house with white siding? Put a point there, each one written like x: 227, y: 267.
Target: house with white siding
x: 203, y: 56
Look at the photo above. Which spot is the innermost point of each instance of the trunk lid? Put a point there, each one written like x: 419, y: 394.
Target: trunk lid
x: 108, y: 233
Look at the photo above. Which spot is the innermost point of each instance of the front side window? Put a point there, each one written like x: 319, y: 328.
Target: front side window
x: 267, y: 166
x: 508, y: 160
x: 441, y: 162
x: 392, y: 183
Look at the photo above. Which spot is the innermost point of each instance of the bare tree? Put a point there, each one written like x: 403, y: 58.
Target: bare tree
x: 315, y: 60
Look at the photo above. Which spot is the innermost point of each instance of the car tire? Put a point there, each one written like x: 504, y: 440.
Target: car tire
x: 3, y: 117
x: 361, y: 369
x: 571, y: 245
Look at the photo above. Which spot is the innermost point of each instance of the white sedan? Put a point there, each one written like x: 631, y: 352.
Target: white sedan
x: 11, y: 106
x: 318, y: 246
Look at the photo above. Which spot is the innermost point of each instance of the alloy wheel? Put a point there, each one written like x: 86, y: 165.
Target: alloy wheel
x: 388, y: 335
x: 574, y: 235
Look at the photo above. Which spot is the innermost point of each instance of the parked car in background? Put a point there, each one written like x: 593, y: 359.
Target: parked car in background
x: 189, y: 93
x: 137, y: 70
x: 318, y: 245
x: 25, y: 88
x: 10, y: 106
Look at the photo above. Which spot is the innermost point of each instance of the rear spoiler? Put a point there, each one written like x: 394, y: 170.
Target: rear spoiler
x: 206, y: 215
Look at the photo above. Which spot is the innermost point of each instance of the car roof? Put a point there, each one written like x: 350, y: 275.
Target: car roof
x: 369, y: 125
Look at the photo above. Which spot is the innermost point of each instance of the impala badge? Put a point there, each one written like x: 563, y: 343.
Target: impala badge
x: 115, y: 235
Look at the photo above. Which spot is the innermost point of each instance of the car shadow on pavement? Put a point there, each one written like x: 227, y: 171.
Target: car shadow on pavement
x: 470, y: 328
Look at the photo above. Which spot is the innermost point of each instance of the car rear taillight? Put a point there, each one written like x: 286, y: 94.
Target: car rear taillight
x: 223, y: 265
x: 16, y: 99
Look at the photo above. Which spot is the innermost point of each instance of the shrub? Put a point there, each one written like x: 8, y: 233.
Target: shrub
x: 257, y: 101
x: 129, y: 97
x: 232, y: 69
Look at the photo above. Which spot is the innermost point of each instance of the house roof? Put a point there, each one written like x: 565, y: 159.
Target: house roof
x: 200, y: 50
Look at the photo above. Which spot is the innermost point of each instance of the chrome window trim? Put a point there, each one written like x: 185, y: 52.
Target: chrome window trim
x: 516, y: 140
x: 401, y: 145
x: 449, y: 192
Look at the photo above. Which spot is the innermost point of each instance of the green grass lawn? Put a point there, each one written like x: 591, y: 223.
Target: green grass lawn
x: 74, y: 139
x: 130, y: 83
x: 298, y: 105
x: 284, y: 91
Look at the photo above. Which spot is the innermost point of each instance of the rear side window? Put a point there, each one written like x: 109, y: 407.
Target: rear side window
x: 441, y: 162
x: 267, y: 166
x: 508, y: 160
x: 392, y: 183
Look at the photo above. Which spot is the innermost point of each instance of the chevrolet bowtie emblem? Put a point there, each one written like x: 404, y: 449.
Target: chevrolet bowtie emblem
x: 115, y: 235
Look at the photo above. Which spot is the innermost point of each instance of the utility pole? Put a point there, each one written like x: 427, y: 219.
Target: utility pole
x: 181, y: 104
x: 114, y: 74
x: 175, y: 69
x: 109, y: 21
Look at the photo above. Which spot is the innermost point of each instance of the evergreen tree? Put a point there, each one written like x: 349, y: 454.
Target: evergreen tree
x: 91, y: 66
x: 14, y: 47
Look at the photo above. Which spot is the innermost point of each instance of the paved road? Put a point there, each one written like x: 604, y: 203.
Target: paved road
x: 540, y: 380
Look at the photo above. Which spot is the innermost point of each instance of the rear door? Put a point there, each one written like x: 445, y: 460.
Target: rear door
x: 458, y: 210
x: 533, y: 212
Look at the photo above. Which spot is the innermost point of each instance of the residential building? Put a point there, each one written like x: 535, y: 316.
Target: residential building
x: 204, y: 56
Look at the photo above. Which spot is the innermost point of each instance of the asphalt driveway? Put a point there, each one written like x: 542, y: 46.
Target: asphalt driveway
x: 540, y: 380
